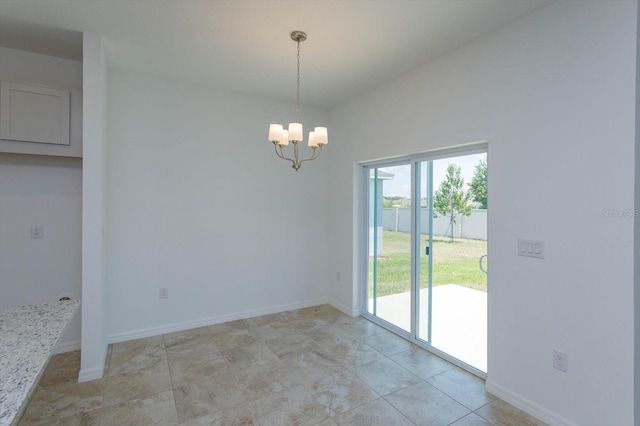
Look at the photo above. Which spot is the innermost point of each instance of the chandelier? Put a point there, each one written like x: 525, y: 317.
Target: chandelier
x: 281, y: 137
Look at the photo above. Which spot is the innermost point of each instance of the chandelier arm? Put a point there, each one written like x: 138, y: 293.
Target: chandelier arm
x: 315, y: 154
x: 281, y: 155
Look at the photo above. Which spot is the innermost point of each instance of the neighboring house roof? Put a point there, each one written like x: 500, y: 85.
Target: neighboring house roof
x: 384, y: 175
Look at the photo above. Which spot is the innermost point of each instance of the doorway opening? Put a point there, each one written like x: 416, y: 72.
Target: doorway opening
x: 425, y: 266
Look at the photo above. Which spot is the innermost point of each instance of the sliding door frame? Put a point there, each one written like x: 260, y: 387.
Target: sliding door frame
x: 415, y: 162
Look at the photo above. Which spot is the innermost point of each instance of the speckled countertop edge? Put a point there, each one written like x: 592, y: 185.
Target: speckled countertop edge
x: 28, y: 335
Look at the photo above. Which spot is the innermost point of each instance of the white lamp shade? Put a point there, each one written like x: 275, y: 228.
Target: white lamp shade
x: 275, y: 132
x: 312, y: 142
x: 284, y: 138
x: 295, y: 132
x: 321, y: 136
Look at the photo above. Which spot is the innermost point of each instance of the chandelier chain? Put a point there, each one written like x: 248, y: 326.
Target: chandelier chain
x: 298, y: 87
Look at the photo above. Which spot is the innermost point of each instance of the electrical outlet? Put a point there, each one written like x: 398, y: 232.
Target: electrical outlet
x: 164, y: 293
x: 36, y: 231
x: 560, y: 360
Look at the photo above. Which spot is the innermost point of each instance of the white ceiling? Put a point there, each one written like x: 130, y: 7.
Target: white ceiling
x: 244, y: 45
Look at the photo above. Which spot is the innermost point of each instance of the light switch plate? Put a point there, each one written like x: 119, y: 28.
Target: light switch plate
x: 531, y: 248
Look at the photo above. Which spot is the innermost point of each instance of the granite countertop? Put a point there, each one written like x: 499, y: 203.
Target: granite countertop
x: 28, y: 334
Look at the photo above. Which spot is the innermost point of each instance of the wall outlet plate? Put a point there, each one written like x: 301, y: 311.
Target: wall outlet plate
x: 560, y: 360
x: 36, y: 231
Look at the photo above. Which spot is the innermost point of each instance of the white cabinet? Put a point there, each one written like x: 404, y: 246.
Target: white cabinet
x: 40, y: 120
x: 34, y: 114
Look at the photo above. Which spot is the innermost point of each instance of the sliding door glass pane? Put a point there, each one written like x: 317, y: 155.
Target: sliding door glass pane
x: 389, y: 286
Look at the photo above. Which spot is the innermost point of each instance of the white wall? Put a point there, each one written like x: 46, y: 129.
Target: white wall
x: 554, y: 95
x: 40, y: 190
x: 187, y: 168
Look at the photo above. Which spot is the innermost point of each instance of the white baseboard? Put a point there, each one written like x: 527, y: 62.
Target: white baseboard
x: 186, y: 325
x: 348, y: 311
x: 63, y: 347
x: 527, y: 405
x: 90, y: 374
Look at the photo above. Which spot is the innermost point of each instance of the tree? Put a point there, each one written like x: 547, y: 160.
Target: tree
x: 451, y: 198
x: 478, y: 185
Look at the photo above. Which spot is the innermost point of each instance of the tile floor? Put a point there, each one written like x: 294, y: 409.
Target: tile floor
x: 313, y: 366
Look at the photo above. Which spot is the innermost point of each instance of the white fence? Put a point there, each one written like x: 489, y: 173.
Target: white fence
x: 473, y: 227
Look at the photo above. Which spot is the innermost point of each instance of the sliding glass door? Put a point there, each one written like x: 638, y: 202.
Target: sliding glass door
x: 426, y: 241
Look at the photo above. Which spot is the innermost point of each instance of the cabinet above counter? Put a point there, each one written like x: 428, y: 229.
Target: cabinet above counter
x: 41, y: 120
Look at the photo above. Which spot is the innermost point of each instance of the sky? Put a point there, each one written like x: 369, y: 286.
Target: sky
x: 400, y: 185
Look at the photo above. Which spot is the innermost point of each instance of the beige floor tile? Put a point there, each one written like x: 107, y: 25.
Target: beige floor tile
x: 178, y: 336
x: 137, y: 384
x: 258, y: 382
x: 350, y: 351
x: 471, y: 420
x: 295, y: 406
x: 193, y: 369
x: 425, y: 405
x: 137, y: 344
x: 387, y: 343
x: 273, y: 329
x: 208, y: 397
x: 228, y: 326
x: 376, y: 413
x: 137, y: 359
x: 206, y: 420
x: 91, y: 418
x: 154, y: 410
x: 234, y: 338
x: 327, y: 422
x: 236, y: 416
x: 385, y: 376
x: 63, y: 368
x: 266, y: 319
x: 329, y: 334
x: 421, y: 362
x: 199, y: 346
x: 306, y: 324
x: 320, y: 311
x: 290, y: 343
x: 362, y: 328
x: 312, y: 365
x: 501, y: 413
x: 253, y: 355
x: 64, y: 400
x: 340, y: 391
x: 464, y: 387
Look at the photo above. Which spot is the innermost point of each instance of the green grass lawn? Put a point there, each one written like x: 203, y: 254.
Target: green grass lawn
x: 453, y: 263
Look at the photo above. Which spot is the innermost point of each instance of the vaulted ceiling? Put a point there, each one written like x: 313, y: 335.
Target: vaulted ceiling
x: 244, y: 45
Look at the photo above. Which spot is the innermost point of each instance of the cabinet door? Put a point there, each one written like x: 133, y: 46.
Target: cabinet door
x: 34, y: 114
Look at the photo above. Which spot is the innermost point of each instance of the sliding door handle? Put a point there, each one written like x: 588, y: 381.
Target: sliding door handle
x: 484, y: 256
